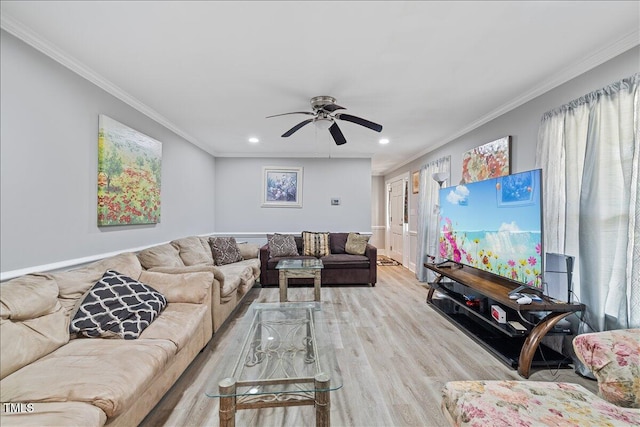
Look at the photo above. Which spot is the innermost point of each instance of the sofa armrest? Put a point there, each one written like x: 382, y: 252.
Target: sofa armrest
x: 371, y: 252
x: 264, y: 258
x: 186, y: 287
x: 264, y: 252
x: 249, y: 250
x: 613, y: 357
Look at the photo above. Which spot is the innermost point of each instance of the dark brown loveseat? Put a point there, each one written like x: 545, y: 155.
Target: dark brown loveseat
x: 340, y: 268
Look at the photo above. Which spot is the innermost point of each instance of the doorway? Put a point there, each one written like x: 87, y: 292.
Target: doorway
x: 397, y: 218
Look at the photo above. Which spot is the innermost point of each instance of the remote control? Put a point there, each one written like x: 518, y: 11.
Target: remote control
x: 524, y: 300
x: 517, y: 326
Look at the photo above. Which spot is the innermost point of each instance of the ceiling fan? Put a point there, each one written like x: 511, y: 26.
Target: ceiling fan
x: 325, y: 112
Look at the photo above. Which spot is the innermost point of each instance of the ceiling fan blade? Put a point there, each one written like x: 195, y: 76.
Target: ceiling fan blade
x: 330, y: 108
x: 295, y: 112
x: 359, y: 121
x: 296, y: 127
x: 337, y: 135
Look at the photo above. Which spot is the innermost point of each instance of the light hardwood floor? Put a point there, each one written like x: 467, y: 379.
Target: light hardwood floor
x: 395, y: 353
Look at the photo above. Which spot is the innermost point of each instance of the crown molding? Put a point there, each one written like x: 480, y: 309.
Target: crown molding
x: 293, y: 155
x: 599, y: 57
x: 35, y: 40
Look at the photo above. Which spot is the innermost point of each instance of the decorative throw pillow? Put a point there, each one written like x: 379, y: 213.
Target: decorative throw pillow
x: 281, y: 245
x: 315, y: 244
x: 225, y: 250
x: 356, y: 244
x: 117, y: 306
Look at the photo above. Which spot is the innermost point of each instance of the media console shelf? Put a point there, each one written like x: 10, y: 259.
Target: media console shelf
x: 517, y: 350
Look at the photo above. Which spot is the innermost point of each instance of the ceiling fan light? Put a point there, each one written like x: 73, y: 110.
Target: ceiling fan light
x: 323, y: 124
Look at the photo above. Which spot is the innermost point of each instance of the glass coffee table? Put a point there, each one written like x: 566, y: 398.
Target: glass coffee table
x: 280, y: 354
x: 304, y: 268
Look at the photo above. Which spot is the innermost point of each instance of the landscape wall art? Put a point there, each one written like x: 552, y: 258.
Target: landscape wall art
x: 129, y: 174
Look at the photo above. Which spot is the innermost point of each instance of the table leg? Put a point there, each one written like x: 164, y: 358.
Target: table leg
x: 227, y: 411
x: 432, y: 288
x: 533, y: 341
x: 283, y: 286
x: 322, y: 401
x: 310, y: 356
x: 316, y: 285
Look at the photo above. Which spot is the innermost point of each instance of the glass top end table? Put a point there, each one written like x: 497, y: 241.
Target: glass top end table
x: 280, y: 355
x: 314, y: 263
x: 299, y: 268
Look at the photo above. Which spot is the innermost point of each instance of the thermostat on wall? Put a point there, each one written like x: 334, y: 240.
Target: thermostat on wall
x: 335, y: 201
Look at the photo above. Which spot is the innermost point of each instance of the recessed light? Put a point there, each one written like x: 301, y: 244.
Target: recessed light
x: 253, y: 140
x: 384, y: 141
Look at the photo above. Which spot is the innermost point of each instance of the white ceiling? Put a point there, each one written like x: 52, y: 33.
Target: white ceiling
x: 427, y: 71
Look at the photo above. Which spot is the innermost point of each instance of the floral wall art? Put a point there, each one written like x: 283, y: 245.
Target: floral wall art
x: 129, y: 172
x: 490, y: 160
x: 282, y: 187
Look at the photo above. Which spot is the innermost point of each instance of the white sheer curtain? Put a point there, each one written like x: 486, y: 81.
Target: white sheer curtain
x: 428, y: 212
x: 589, y: 150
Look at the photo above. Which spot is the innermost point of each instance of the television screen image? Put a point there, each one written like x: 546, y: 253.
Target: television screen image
x: 496, y: 226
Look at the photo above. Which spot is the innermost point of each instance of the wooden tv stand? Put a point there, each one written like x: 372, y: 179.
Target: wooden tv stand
x: 496, y: 291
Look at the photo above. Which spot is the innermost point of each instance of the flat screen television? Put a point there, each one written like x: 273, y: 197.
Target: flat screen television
x: 495, y: 225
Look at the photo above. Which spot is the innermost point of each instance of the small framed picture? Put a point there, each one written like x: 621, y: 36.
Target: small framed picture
x: 281, y: 187
x: 415, y: 182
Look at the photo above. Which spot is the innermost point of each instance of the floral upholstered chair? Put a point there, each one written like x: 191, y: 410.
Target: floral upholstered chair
x: 614, y: 358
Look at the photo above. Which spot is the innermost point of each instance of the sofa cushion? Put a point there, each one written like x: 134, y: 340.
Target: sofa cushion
x: 315, y: 244
x: 109, y: 374
x: 282, y: 245
x: 253, y: 264
x: 345, y: 261
x: 225, y: 250
x: 337, y: 242
x: 74, y: 284
x: 178, y: 323
x: 356, y: 244
x: 191, y: 287
x: 530, y: 403
x: 165, y: 255
x: 237, y: 270
x: 117, y: 306
x: 193, y: 250
x: 29, y: 331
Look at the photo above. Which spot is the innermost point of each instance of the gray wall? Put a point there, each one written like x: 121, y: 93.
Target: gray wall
x: 522, y: 123
x: 49, y: 135
x: 238, y: 193
x: 378, y: 219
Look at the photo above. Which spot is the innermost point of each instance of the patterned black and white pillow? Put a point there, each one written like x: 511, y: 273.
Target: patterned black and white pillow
x: 117, y: 306
x: 225, y: 250
x: 281, y: 245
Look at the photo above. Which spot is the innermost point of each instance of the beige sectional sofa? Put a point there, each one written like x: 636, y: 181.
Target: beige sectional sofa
x: 231, y: 282
x: 49, y: 378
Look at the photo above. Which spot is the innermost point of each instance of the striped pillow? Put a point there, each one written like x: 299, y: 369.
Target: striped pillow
x: 315, y: 244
